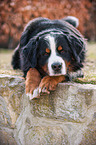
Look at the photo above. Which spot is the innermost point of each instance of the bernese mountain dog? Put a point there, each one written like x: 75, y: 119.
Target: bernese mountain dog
x: 49, y: 50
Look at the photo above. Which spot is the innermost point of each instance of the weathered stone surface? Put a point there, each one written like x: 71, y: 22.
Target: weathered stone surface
x: 66, y: 116
x: 89, y: 137
x: 70, y: 102
x: 6, y: 137
x: 11, y: 91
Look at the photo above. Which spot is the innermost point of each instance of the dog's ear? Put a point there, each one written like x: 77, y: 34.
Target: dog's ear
x: 16, y: 58
x: 29, y: 53
x: 77, y: 48
x: 29, y: 30
x: 24, y: 38
x: 72, y: 20
x: 26, y: 34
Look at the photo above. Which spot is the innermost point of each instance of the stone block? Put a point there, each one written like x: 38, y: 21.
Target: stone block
x: 69, y: 102
x: 66, y: 116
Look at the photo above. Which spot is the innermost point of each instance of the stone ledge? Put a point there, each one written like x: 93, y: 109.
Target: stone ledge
x: 66, y: 116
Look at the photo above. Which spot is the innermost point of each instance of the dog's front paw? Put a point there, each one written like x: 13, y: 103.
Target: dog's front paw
x: 33, y: 94
x: 47, y: 84
x: 32, y: 82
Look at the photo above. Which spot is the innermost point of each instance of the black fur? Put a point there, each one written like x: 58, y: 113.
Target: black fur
x: 16, y: 59
x: 28, y: 53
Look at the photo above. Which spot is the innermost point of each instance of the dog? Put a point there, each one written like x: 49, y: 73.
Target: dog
x: 49, y: 50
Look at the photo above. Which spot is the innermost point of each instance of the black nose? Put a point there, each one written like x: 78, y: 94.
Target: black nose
x: 56, y: 66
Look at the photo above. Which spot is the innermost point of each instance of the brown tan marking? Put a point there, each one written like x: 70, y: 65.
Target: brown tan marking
x: 47, y: 50
x: 60, y: 48
x: 49, y: 83
x: 32, y: 80
x: 45, y: 68
x: 68, y: 66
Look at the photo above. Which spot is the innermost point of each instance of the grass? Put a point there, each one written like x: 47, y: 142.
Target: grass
x: 5, y: 63
x: 89, y: 66
x: 91, y: 55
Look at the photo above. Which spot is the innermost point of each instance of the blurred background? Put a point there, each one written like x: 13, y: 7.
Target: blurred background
x: 15, y: 14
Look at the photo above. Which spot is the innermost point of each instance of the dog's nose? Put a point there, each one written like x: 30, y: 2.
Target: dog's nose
x: 56, y: 66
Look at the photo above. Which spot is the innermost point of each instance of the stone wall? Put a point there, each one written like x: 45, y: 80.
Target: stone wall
x: 66, y: 117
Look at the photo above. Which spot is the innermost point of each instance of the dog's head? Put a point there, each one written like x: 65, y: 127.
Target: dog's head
x: 54, y: 49
x: 53, y: 54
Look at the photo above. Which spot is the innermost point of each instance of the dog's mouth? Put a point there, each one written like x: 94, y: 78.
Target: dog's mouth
x: 57, y: 72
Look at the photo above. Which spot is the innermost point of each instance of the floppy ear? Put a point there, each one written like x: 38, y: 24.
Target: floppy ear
x: 72, y: 20
x: 16, y: 58
x: 77, y: 48
x: 29, y: 30
x: 29, y: 55
x: 26, y: 34
x: 24, y: 38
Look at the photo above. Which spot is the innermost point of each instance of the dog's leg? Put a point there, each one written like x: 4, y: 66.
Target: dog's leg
x: 32, y: 82
x: 49, y: 83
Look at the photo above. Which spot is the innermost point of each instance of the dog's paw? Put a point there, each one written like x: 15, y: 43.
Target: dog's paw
x: 47, y: 84
x: 34, y: 94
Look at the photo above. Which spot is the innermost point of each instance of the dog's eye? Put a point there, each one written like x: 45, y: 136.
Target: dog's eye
x: 61, y: 50
x: 47, y: 52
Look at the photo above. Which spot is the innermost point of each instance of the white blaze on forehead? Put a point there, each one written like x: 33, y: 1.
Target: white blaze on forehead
x: 54, y: 58
x: 52, y: 43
